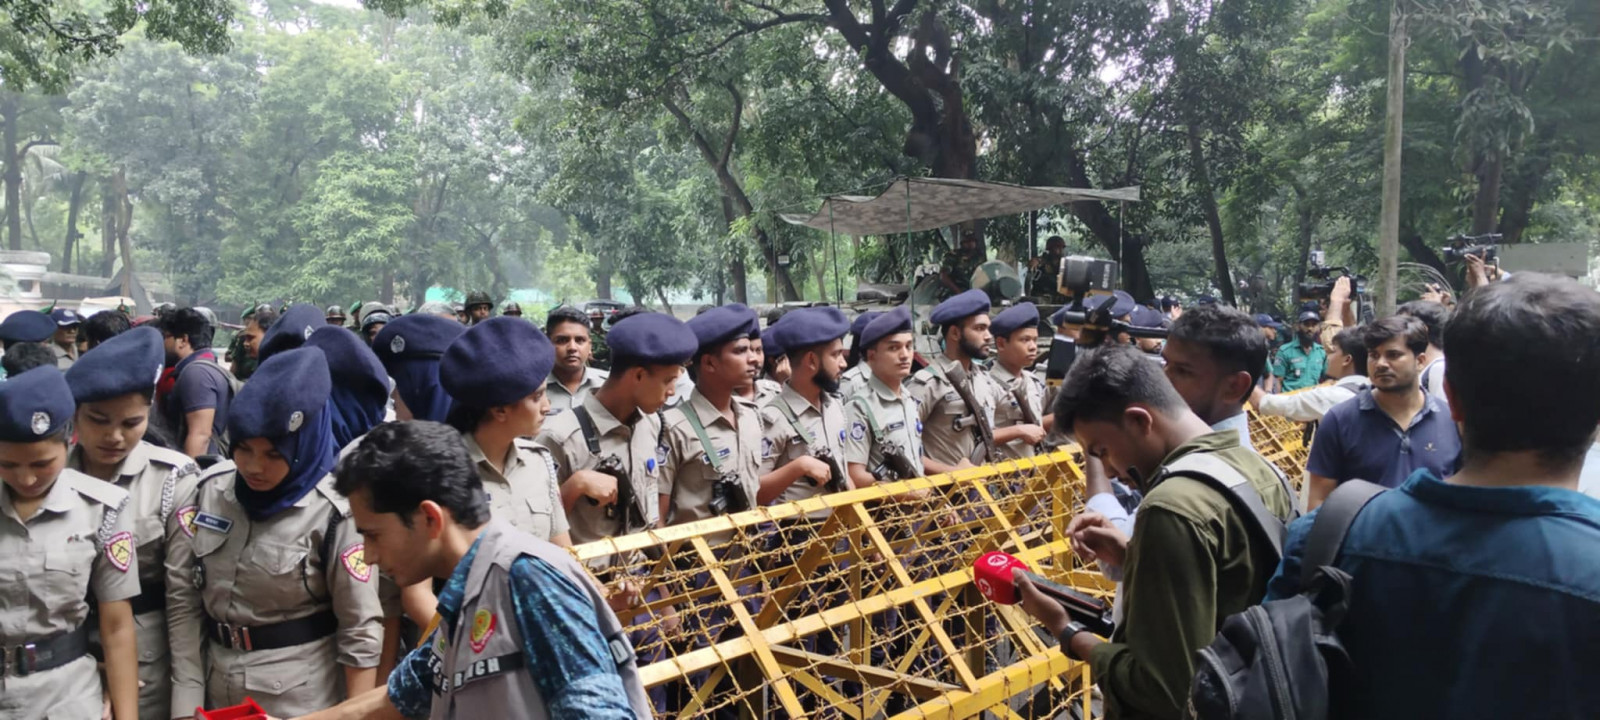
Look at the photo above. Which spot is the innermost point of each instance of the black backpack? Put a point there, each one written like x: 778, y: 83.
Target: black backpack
x: 1278, y: 660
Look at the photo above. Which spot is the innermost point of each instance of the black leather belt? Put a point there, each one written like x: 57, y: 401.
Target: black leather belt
x: 288, y: 633
x: 46, y: 654
x: 152, y: 597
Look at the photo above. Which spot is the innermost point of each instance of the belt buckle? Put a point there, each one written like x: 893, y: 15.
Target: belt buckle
x: 240, y: 637
x: 30, y: 651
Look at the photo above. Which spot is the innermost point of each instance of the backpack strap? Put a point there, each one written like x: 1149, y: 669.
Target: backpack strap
x: 1213, y: 471
x: 1334, y: 518
x: 591, y: 434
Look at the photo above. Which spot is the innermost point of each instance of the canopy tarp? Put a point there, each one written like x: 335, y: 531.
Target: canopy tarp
x: 915, y: 204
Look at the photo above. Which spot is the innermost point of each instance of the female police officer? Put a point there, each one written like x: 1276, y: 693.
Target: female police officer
x: 113, y: 385
x: 62, y: 536
x: 268, y: 595
x: 409, y: 348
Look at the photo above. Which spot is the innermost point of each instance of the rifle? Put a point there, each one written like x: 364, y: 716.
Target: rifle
x: 895, y: 466
x: 837, y: 480
x: 985, y: 450
x: 1020, y: 392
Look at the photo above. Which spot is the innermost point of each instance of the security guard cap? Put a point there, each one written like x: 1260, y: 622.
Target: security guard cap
x: 497, y: 362
x: 27, y: 326
x: 893, y: 322
x: 1014, y: 318
x: 805, y: 327
x: 415, y: 337
x: 128, y: 363
x: 959, y: 307
x: 286, y: 391
x: 291, y: 330
x: 651, y: 338
x: 34, y: 405
x: 722, y: 324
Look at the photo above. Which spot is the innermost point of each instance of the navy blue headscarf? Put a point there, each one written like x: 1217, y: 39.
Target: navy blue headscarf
x: 287, y: 401
x: 409, y: 349
x: 360, y: 385
x: 417, y: 381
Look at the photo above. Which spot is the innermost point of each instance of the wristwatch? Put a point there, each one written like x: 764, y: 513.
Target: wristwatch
x: 1067, y: 633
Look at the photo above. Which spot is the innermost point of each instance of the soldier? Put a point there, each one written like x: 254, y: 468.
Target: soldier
x: 572, y: 379
x: 958, y: 397
x: 885, y: 436
x: 373, y: 317
x: 268, y: 595
x: 64, y: 537
x: 958, y: 265
x: 65, y: 342
x: 291, y: 330
x: 714, y: 441
x: 495, y: 373
x: 245, y: 350
x: 1045, y: 271
x: 334, y: 315
x: 618, y: 425
x: 360, y: 385
x: 479, y: 307
x: 802, y: 448
x: 1016, y: 340
x: 113, y: 386
x: 523, y: 631
x: 409, y: 349
x: 511, y: 308
x: 856, y: 371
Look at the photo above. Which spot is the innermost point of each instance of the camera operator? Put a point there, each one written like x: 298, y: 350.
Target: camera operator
x: 1475, y: 596
x: 1347, y: 365
x: 1192, y: 560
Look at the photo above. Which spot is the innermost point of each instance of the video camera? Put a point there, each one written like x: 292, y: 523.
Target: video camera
x: 1327, y: 277
x: 1486, y: 247
x: 1081, y: 275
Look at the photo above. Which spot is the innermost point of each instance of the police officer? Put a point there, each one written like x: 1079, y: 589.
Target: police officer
x: 883, y: 414
x: 291, y: 330
x: 572, y: 379
x: 65, y: 341
x: 804, y: 424
x: 620, y: 420
x: 776, y: 368
x: 334, y: 316
x: 360, y: 385
x: 959, y: 434
x: 113, y: 386
x: 856, y: 371
x: 26, y: 326
x: 523, y: 630
x: 714, y: 441
x: 63, y: 536
x: 761, y: 389
x: 409, y: 348
x: 479, y: 307
x: 495, y: 373
x: 268, y: 594
x: 1016, y: 340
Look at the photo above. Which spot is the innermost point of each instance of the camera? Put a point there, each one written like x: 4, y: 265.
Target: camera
x: 1486, y: 247
x: 1325, y: 277
x: 1081, y: 274
x: 728, y: 496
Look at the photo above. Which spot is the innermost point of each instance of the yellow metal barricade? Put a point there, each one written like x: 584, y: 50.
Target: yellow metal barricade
x: 862, y: 604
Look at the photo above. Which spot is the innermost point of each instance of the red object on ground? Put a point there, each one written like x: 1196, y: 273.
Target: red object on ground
x: 248, y: 711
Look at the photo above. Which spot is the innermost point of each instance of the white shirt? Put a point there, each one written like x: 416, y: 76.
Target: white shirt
x: 1311, y: 404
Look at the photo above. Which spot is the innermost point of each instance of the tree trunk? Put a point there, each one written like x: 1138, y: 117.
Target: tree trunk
x: 1486, y: 202
x: 124, y: 218
x: 1208, y: 205
x: 108, y: 227
x: 10, y: 109
x: 602, y: 276
x: 1307, y: 225
x: 386, y: 289
x: 661, y: 294
x: 1394, y: 121
x: 74, y: 203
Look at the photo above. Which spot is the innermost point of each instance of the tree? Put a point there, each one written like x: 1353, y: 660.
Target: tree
x: 45, y: 40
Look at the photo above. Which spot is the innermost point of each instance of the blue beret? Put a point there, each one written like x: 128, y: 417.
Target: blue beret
x: 65, y: 317
x: 285, y: 392
x: 415, y: 337
x: 27, y: 326
x: 1124, y: 304
x: 810, y: 326
x: 961, y: 306
x: 651, y: 338
x: 34, y: 405
x: 1262, y: 320
x: 1058, y: 317
x: 860, y: 323
x: 769, y: 344
x: 351, y: 363
x: 497, y: 362
x: 128, y: 363
x: 1014, y: 318
x: 895, y: 321
x: 291, y: 329
x: 1144, y: 317
x: 1206, y: 300
x: 721, y: 324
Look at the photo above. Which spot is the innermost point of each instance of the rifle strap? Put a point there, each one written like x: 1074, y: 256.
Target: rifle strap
x: 591, y: 434
x: 700, y: 432
x: 794, y: 420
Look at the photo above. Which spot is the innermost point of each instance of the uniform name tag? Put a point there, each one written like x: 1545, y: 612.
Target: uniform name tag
x: 896, y: 425
x: 478, y: 670
x: 214, y: 523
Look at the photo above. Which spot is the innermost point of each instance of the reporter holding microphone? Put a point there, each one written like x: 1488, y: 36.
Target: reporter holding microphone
x: 1193, y: 560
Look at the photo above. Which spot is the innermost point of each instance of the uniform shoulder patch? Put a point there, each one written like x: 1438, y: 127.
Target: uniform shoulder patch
x: 171, y: 458
x: 220, y: 473
x: 119, y: 550
x: 858, y: 430
x: 185, y: 517
x: 483, y: 626
x: 354, y: 560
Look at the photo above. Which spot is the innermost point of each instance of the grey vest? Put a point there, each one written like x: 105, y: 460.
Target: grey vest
x: 482, y: 672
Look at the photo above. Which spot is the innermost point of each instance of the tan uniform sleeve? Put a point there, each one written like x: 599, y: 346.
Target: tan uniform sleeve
x: 558, y: 513
x: 557, y: 453
x: 115, y: 574
x: 355, y: 599
x: 674, y: 460
x: 858, y: 435
x: 184, y: 609
x: 775, y: 435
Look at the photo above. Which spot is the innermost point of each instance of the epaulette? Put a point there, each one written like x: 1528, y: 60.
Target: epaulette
x: 97, y: 490
x: 218, y: 470
x: 541, y: 451
x: 340, y: 502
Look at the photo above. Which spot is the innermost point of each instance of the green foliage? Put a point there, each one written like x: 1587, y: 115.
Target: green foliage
x: 43, y: 40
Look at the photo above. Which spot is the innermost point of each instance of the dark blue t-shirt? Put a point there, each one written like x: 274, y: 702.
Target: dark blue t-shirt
x: 1357, y: 439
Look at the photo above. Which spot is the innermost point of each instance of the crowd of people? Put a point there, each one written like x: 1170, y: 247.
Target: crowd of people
x: 284, y: 522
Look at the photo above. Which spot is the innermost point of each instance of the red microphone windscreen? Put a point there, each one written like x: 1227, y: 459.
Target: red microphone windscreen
x: 992, y: 574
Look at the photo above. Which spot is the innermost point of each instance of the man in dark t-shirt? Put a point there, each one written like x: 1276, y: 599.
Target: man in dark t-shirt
x: 197, y: 408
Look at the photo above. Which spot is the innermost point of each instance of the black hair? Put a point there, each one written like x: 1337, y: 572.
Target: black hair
x: 465, y: 418
x: 1353, y: 342
x: 626, y: 313
x: 103, y: 326
x: 264, y: 317
x: 401, y: 464
x: 1409, y: 329
x: 1524, y: 369
x: 775, y: 314
x: 1432, y: 314
x: 1232, y: 337
x: 565, y: 314
x: 26, y: 356
x: 1106, y: 381
x: 189, y: 324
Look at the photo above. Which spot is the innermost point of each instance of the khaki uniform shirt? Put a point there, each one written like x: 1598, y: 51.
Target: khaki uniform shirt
x: 766, y: 390
x: 227, y: 567
x: 639, y: 444
x: 64, y: 358
x: 79, y: 541
x: 1008, y: 411
x: 948, y: 424
x: 524, y: 492
x: 854, y: 379
x: 783, y: 443
x: 878, y: 415
x: 689, y: 476
x: 562, y: 400
x: 156, y: 479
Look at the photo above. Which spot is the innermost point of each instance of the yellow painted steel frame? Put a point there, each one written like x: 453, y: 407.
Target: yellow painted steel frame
x: 868, y: 609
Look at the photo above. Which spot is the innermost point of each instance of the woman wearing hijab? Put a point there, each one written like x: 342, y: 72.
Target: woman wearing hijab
x: 63, y: 538
x: 360, y: 384
x: 268, y: 595
x: 409, y: 348
x: 113, y: 386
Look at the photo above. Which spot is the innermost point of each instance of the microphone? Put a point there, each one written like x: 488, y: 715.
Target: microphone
x: 992, y: 574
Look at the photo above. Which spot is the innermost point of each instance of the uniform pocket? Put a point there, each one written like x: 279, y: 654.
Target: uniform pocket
x: 280, y: 678
x: 275, y: 576
x: 65, y: 579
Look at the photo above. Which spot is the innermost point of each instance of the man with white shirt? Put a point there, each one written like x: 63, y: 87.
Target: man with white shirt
x: 1347, y: 365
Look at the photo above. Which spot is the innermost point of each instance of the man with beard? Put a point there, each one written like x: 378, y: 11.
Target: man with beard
x: 572, y: 380
x: 197, y: 407
x: 1388, y: 431
x: 1300, y: 363
x: 1016, y: 339
x: 954, y: 430
x: 805, y: 422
